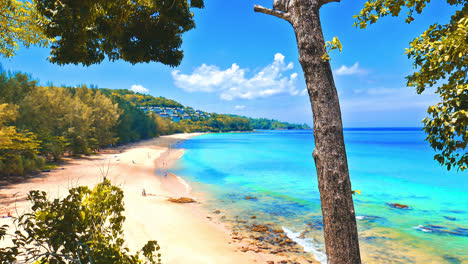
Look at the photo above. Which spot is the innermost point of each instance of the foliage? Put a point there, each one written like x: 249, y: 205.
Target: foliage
x: 14, y: 87
x: 18, y: 150
x: 135, y: 31
x: 440, y: 55
x: 133, y: 124
x: 331, y: 45
x: 272, y: 124
x: 142, y: 99
x: 84, y: 227
x: 19, y: 24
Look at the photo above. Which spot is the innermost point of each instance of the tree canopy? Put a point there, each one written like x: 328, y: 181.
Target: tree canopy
x: 19, y: 24
x: 440, y: 57
x: 87, y: 32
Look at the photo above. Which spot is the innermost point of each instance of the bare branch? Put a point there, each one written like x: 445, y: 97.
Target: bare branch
x: 264, y: 10
x: 324, y: 2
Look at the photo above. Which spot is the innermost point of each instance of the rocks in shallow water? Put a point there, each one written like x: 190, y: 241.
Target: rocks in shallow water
x: 277, y: 231
x: 450, y: 218
x: 452, y: 260
x: 181, y: 200
x: 398, y: 205
x: 253, y: 217
x: 302, y: 235
x: 248, y: 197
x: 216, y: 212
x: 259, y: 228
x: 441, y: 230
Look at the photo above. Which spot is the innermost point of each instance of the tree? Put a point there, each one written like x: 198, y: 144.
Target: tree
x: 440, y: 55
x: 18, y: 149
x: 19, y: 24
x: 134, y: 31
x: 84, y: 227
x: 341, y: 238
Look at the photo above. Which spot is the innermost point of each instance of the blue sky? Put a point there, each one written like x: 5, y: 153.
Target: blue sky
x: 241, y: 62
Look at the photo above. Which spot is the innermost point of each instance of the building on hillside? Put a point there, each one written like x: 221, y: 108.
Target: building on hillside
x: 175, y: 118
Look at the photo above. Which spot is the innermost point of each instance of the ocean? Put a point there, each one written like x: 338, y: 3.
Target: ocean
x: 387, y: 165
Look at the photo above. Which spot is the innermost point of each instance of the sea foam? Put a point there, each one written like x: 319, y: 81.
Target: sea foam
x: 309, y: 245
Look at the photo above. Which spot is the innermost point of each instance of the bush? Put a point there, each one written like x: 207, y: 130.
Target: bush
x: 84, y: 227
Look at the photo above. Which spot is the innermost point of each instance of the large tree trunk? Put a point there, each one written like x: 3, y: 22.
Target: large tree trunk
x: 341, y: 238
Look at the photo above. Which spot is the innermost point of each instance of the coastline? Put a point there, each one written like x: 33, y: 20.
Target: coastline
x: 186, y: 233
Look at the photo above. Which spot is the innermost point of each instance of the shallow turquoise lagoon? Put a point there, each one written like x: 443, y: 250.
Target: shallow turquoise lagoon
x: 387, y: 165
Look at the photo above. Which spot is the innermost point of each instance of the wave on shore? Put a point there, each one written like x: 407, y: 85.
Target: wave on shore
x: 308, y: 244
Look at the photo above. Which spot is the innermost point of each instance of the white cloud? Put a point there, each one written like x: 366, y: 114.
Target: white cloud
x: 139, y: 88
x: 239, y: 107
x: 353, y: 70
x: 232, y: 83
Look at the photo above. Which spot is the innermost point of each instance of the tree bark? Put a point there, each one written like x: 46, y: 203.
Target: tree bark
x: 339, y: 220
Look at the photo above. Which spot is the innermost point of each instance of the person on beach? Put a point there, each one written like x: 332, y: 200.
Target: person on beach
x: 143, y: 193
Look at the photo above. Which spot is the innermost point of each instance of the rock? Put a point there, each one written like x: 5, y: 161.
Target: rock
x: 278, y: 231
x: 302, y: 235
x: 450, y: 218
x: 253, y: 217
x: 181, y: 200
x: 248, y: 197
x: 270, y: 262
x: 217, y: 212
x: 397, y: 205
x: 259, y: 228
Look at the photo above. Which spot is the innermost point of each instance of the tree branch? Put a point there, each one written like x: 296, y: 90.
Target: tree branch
x: 264, y: 10
x: 323, y: 2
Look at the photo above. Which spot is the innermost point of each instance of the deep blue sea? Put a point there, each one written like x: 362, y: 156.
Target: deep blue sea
x: 386, y: 165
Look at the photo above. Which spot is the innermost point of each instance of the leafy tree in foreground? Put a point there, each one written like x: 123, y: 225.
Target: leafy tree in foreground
x: 19, y: 24
x: 339, y: 220
x: 135, y: 31
x: 84, y: 227
x: 440, y: 55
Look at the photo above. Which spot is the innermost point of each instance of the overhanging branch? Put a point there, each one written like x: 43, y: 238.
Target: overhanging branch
x: 323, y: 2
x: 264, y: 10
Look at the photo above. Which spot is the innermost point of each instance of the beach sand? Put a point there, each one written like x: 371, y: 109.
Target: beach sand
x: 186, y: 233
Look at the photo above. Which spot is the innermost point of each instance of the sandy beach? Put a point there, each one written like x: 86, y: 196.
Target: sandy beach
x: 187, y: 233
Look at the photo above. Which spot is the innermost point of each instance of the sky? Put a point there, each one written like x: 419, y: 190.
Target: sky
x: 240, y: 62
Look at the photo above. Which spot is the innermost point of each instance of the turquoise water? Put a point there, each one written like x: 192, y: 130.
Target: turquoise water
x: 387, y: 165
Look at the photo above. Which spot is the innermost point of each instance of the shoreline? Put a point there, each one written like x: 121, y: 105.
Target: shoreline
x: 186, y: 233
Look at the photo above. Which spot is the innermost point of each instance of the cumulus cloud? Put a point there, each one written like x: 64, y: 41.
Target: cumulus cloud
x: 232, y: 83
x: 353, y: 70
x: 139, y: 88
x: 239, y: 107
